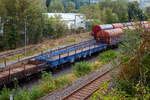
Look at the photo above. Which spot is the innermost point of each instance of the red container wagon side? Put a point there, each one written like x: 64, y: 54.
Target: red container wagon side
x: 118, y: 25
x: 144, y: 22
x: 146, y: 26
x: 97, y: 28
x: 107, y: 36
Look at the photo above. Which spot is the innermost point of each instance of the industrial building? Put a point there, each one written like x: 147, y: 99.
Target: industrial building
x: 72, y: 20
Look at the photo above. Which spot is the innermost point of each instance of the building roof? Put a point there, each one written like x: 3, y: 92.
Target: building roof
x: 65, y: 16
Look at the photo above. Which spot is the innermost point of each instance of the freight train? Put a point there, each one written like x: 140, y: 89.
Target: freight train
x: 110, y: 33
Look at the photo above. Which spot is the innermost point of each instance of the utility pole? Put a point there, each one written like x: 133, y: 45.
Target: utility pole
x: 25, y: 32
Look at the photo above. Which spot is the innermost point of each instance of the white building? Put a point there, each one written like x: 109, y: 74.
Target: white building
x: 72, y: 20
x: 95, y: 1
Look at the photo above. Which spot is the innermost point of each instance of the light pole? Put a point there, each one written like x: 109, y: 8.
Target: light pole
x: 25, y: 32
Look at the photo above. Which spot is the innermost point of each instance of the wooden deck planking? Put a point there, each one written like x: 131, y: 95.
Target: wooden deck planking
x: 71, y: 53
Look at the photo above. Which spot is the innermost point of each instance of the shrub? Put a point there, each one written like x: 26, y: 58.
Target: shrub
x: 62, y: 81
x: 81, y: 68
x: 47, y: 87
x: 35, y: 93
x: 106, y: 92
x: 46, y: 76
x: 107, y: 56
x: 5, y: 94
x: 22, y: 95
x: 47, y: 83
x: 95, y: 65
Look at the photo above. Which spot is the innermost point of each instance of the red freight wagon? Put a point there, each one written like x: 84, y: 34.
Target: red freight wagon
x: 117, y: 25
x: 97, y: 28
x: 107, y: 36
x: 144, y: 22
x: 147, y: 26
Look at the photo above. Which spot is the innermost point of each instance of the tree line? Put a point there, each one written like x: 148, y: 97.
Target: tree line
x: 26, y: 16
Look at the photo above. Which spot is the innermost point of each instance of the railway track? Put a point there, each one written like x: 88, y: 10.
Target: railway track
x: 84, y: 92
x: 17, y: 52
x: 11, y: 53
x: 32, y: 48
x: 29, y: 66
x: 46, y: 52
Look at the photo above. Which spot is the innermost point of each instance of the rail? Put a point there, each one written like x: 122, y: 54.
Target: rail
x: 85, y: 91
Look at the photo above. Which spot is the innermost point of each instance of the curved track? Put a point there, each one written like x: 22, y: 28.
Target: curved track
x: 84, y: 92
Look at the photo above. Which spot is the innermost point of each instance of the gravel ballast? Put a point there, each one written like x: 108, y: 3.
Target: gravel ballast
x: 61, y: 93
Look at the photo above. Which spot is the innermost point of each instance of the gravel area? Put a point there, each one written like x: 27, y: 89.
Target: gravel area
x: 59, y: 94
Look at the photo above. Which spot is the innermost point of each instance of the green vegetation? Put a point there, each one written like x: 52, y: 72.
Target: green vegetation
x: 132, y: 82
x: 82, y: 68
x: 47, y: 85
x: 54, y: 27
x: 114, y: 94
x: 18, y: 14
x: 108, y: 56
x: 4, y: 94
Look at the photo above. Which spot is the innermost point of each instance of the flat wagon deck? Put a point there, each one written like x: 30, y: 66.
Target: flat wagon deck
x: 70, y: 55
x: 50, y: 59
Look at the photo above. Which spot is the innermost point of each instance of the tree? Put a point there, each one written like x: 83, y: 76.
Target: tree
x: 135, y: 13
x: 70, y: 7
x: 56, y: 6
x: 121, y: 9
x: 54, y: 27
x: 14, y: 15
x: 111, y: 17
x: 148, y: 11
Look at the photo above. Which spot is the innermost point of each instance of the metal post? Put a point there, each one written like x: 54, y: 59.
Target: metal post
x: 59, y: 57
x: 18, y: 58
x: 41, y: 52
x: 75, y: 51
x: 9, y: 75
x: 24, y: 70
x: 82, y: 48
x: 25, y: 31
x: 5, y: 62
x: 68, y: 52
x: 37, y: 67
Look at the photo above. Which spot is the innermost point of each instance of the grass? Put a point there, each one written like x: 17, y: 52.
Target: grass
x: 95, y: 65
x: 82, y: 68
x: 107, y: 56
x: 48, y: 84
x: 70, y: 39
x: 4, y: 94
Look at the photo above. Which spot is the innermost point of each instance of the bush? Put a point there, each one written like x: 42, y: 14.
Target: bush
x: 106, y: 92
x: 47, y: 83
x: 82, y: 68
x: 23, y: 95
x: 95, y: 65
x: 5, y: 94
x: 62, y: 81
x: 107, y: 56
x: 35, y: 93
x: 47, y: 87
